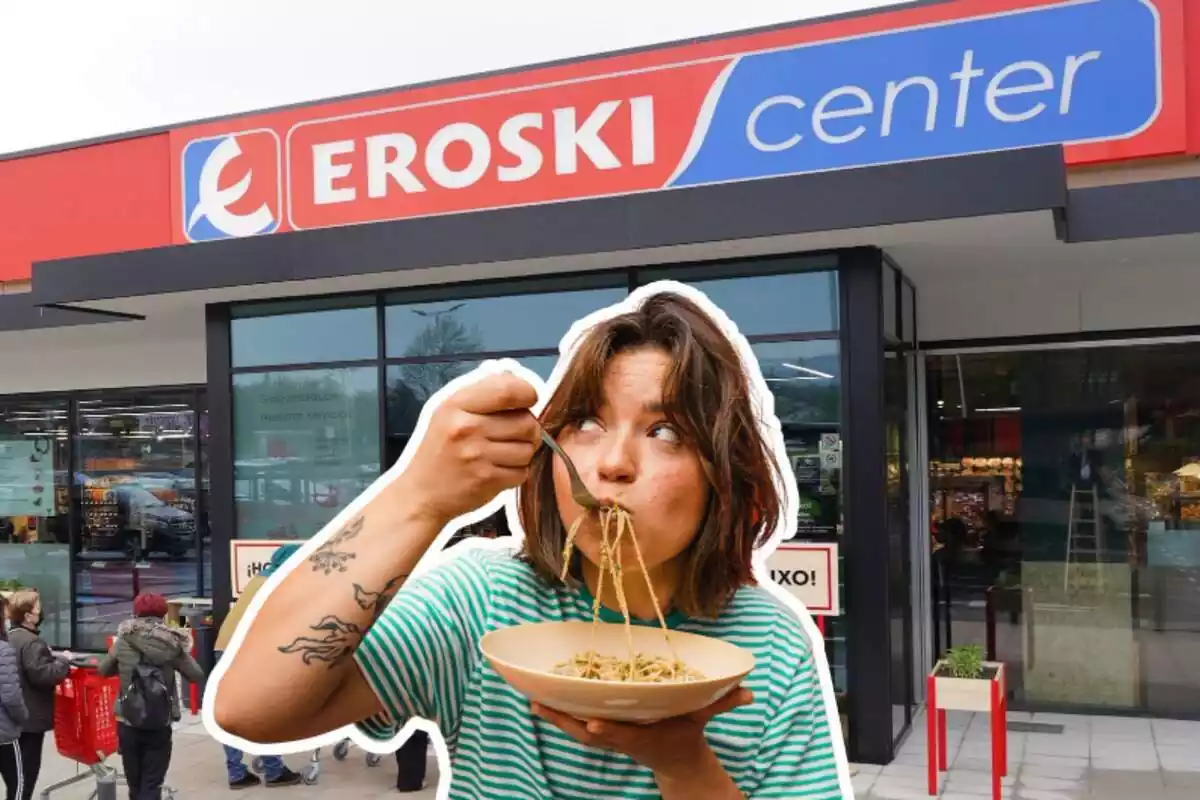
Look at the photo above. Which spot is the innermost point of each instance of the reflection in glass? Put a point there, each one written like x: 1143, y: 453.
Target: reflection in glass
x: 796, y: 302
x: 34, y: 508
x: 409, y: 386
x: 891, y: 319
x: 898, y: 399
x: 135, y: 474
x: 805, y: 379
x: 489, y: 324
x: 306, y: 443
x: 344, y: 334
x: 1065, y: 494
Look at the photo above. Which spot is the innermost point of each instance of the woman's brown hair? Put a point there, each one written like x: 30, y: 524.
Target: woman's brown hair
x: 3, y: 616
x: 707, y: 398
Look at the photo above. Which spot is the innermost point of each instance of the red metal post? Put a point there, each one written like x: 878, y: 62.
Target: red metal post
x: 997, y: 743
x: 943, y: 757
x: 193, y: 687
x: 1003, y: 735
x: 931, y: 717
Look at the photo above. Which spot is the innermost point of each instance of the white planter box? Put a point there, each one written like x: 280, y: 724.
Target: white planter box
x: 969, y: 694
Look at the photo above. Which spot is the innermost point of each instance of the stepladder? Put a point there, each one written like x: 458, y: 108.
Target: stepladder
x: 1085, y: 538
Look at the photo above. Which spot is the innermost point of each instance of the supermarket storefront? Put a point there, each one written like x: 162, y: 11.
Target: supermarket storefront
x: 261, y: 348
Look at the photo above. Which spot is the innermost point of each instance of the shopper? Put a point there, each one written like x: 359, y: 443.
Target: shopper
x: 12, y: 714
x: 41, y: 671
x: 147, y: 655
x: 276, y: 772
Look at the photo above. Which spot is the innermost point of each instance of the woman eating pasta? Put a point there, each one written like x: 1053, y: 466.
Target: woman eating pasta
x: 656, y: 411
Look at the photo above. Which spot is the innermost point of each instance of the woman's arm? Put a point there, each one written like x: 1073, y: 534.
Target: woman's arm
x: 40, y: 666
x: 293, y: 676
x: 189, y: 668
x: 108, y: 665
x: 11, y: 696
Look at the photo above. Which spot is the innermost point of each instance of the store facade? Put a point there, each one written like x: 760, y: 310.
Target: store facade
x: 264, y: 354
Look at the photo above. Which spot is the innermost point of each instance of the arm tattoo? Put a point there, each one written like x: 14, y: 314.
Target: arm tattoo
x: 377, y: 601
x: 339, y: 640
x: 328, y: 557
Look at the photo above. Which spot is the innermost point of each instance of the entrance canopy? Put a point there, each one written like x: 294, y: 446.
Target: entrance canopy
x: 1020, y: 193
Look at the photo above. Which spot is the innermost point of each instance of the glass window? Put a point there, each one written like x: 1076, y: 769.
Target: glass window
x: 898, y: 404
x: 805, y: 379
x: 339, y: 334
x: 306, y: 443
x: 1066, y: 497
x: 908, y: 312
x: 135, y: 472
x: 489, y: 324
x: 205, y: 492
x: 409, y: 386
x: 795, y: 302
x: 34, y: 509
x: 891, y: 323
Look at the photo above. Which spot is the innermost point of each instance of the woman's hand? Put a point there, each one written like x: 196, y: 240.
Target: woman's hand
x: 479, y: 442
x: 673, y: 749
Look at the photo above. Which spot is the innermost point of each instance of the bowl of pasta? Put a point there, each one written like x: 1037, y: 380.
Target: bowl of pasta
x: 585, y: 669
x: 620, y: 672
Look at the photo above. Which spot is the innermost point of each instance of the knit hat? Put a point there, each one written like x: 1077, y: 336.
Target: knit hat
x: 149, y: 605
x: 281, y: 555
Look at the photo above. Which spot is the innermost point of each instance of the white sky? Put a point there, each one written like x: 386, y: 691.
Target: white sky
x: 77, y: 69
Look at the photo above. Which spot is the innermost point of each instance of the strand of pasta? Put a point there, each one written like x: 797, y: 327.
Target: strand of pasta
x: 638, y: 668
x: 637, y: 549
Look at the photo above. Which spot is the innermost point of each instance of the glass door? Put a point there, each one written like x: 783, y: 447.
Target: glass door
x: 136, y: 465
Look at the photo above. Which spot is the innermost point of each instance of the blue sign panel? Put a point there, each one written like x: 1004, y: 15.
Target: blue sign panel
x: 1059, y: 74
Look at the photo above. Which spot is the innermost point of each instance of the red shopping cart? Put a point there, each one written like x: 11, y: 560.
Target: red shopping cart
x: 85, y: 729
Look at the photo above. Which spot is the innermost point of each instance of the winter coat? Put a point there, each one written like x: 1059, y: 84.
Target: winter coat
x: 41, y: 671
x: 12, y: 700
x: 150, y: 641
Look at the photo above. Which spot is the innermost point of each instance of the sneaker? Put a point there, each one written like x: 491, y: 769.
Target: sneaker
x: 285, y: 778
x: 247, y: 781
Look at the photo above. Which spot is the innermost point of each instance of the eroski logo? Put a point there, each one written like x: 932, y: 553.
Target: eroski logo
x: 231, y: 186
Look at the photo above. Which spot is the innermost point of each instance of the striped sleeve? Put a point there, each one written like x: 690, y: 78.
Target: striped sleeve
x: 420, y: 654
x: 797, y: 757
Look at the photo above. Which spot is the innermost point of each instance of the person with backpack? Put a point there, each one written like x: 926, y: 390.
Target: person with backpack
x: 12, y: 714
x: 147, y: 655
x: 41, y: 671
x: 277, y: 772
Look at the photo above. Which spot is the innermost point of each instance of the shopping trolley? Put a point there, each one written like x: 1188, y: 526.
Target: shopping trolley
x: 85, y: 729
x: 310, y: 774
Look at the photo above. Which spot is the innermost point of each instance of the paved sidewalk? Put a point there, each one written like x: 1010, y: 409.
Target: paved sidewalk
x: 1105, y: 758
x: 198, y: 772
x: 1102, y: 758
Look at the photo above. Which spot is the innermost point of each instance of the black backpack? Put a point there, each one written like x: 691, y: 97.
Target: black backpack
x: 146, y: 701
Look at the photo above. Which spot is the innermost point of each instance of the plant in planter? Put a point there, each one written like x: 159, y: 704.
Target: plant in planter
x: 962, y: 680
x: 965, y: 661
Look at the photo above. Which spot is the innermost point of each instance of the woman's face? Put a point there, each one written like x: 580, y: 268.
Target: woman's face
x: 629, y: 453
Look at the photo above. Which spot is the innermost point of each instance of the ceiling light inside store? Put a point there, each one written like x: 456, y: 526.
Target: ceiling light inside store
x: 813, y: 372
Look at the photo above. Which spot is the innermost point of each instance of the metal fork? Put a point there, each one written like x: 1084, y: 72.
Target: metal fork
x: 579, y: 492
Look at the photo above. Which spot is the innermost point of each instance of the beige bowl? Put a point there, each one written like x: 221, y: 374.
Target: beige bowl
x: 525, y: 656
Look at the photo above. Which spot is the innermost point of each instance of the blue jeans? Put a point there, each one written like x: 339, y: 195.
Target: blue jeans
x: 236, y: 767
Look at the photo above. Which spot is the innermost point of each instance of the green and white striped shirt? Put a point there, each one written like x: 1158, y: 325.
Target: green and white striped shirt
x: 422, y: 659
